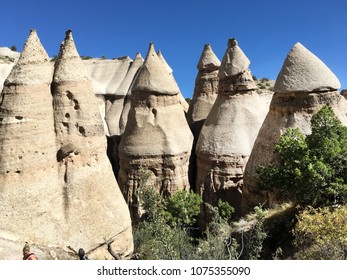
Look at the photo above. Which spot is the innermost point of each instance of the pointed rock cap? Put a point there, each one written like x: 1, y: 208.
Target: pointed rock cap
x: 234, y: 62
x: 33, y: 66
x: 69, y: 65
x: 161, y: 57
x: 208, y: 59
x: 304, y: 72
x: 138, y: 59
x: 130, y: 75
x: 153, y: 76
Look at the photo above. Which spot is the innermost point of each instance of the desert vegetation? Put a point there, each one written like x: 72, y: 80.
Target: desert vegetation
x: 309, y: 223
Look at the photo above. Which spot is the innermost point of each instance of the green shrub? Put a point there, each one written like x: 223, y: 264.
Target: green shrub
x: 183, y: 208
x: 253, y: 238
x: 312, y: 169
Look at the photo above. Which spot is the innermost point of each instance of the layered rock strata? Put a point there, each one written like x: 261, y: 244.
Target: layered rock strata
x: 228, y: 134
x: 157, y: 139
x: 94, y: 209
x: 303, y: 86
x: 31, y: 197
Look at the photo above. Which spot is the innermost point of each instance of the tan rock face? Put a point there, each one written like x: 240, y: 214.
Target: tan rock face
x: 90, y: 191
x: 138, y: 61
x: 291, y: 109
x: 206, y: 87
x: 114, y: 114
x: 227, y: 136
x: 30, y: 194
x: 57, y: 185
x: 8, y: 59
x: 157, y: 138
x: 304, y: 72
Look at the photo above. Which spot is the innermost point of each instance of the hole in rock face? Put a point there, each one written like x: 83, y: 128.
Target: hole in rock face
x: 67, y: 115
x: 18, y: 172
x: 76, y: 107
x: 19, y: 117
x: 82, y: 130
x: 154, y: 111
x: 69, y: 94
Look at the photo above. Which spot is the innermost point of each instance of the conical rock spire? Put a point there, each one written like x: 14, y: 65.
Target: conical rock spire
x: 30, y: 192
x: 154, y: 77
x: 235, y: 71
x: 303, y: 86
x: 161, y: 57
x: 90, y: 190
x: 234, y: 62
x: 205, y: 90
x: 69, y: 65
x: 303, y: 71
x: 33, y: 66
x: 229, y: 131
x: 208, y: 59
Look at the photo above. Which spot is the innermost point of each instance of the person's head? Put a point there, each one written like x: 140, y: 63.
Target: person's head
x: 81, y: 253
x: 26, y: 249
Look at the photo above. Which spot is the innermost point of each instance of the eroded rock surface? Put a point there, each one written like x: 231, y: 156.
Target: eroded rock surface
x: 228, y: 134
x: 57, y: 185
x: 157, y: 138
x: 303, y: 86
x: 30, y: 193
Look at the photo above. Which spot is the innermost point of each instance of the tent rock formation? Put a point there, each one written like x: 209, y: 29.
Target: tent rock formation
x: 157, y: 138
x: 227, y: 136
x: 57, y: 185
x: 303, y: 86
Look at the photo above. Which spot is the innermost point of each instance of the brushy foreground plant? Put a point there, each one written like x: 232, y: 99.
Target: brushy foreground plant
x: 168, y: 231
x: 321, y: 234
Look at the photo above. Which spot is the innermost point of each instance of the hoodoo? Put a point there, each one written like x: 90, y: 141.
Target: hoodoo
x: 157, y: 138
x: 94, y: 209
x: 303, y: 86
x: 227, y: 136
x: 205, y: 90
x: 31, y: 196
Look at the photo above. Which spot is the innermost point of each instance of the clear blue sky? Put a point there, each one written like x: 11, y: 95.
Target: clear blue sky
x: 265, y: 30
